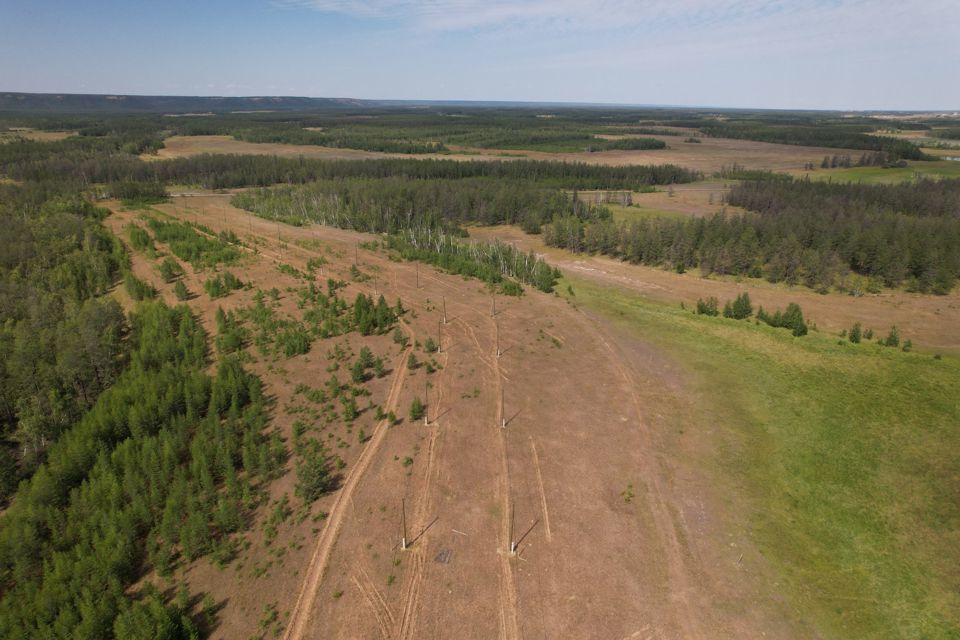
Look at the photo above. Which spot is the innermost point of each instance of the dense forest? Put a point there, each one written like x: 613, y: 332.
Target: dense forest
x: 850, y: 236
x: 60, y: 346
x: 837, y: 135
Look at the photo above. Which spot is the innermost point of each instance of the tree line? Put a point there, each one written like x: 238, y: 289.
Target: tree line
x: 88, y: 163
x: 816, y: 233
x: 389, y: 205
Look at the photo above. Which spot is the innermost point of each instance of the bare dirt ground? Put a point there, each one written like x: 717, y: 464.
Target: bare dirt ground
x: 621, y: 530
x: 708, y: 156
x: 931, y: 322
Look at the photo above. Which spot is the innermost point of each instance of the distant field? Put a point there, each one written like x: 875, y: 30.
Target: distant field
x: 695, y: 200
x: 709, y: 156
x: 185, y: 146
x: 33, y: 134
x: 876, y: 175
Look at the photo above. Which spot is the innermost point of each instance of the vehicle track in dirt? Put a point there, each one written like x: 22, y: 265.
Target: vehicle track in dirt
x: 676, y: 552
x: 300, y: 615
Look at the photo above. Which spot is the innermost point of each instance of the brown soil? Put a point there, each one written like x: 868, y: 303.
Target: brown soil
x: 622, y: 532
x: 931, y: 322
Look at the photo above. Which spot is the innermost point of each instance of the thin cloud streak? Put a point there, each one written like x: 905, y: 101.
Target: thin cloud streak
x: 587, y: 15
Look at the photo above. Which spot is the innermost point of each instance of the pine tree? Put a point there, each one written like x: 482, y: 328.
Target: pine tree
x: 855, y: 333
x: 417, y: 409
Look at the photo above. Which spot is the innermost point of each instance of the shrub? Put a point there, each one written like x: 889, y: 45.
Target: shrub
x: 170, y: 269
x: 707, y: 307
x: 222, y: 285
x: 137, y: 288
x: 314, y: 475
x: 791, y: 319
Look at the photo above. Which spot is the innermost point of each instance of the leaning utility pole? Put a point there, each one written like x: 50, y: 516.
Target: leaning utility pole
x: 426, y: 401
x: 513, y: 517
x: 503, y: 409
x: 403, y: 521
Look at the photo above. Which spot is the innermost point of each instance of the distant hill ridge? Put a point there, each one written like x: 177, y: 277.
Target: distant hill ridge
x: 82, y: 103
x: 12, y: 101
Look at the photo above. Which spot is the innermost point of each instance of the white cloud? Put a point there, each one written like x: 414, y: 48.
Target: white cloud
x: 585, y: 15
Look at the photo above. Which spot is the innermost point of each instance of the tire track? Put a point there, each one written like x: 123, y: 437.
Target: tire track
x: 411, y: 598
x: 378, y: 614
x: 300, y: 614
x: 543, y: 494
x: 508, y: 587
x: 678, y: 572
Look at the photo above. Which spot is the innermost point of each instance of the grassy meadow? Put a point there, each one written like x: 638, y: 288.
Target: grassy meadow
x: 879, y: 175
x: 848, y: 456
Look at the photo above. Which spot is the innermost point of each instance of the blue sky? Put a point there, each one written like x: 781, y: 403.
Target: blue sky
x: 844, y: 54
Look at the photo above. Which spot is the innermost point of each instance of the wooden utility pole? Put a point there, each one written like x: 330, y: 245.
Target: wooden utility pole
x: 426, y: 401
x: 493, y: 308
x: 497, y: 325
x: 444, y: 309
x: 513, y: 518
x: 403, y: 521
x: 439, y: 337
x: 503, y: 409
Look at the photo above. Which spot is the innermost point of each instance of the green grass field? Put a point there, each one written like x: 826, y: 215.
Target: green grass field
x: 639, y: 212
x: 849, y: 458
x: 878, y: 175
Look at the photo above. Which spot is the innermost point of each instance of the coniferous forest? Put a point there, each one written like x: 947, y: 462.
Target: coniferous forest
x: 817, y: 233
